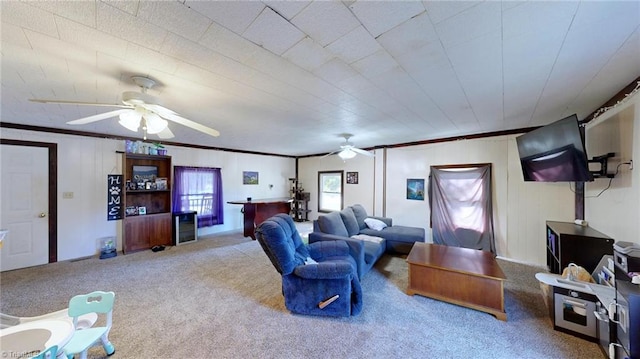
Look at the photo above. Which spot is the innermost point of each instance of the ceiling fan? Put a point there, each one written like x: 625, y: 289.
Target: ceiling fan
x: 348, y: 150
x: 138, y: 109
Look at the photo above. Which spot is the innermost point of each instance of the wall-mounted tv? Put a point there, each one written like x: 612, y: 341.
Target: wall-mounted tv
x: 554, y: 153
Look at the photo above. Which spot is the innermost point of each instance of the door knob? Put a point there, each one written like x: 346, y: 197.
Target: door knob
x: 42, y: 215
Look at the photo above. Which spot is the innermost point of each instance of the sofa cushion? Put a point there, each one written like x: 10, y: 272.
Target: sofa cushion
x: 361, y: 215
x: 350, y: 222
x: 398, y: 234
x: 331, y: 223
x: 375, y: 224
x: 372, y: 252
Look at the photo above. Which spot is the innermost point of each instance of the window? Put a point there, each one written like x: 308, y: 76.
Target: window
x: 199, y: 189
x: 461, y: 207
x: 330, y: 196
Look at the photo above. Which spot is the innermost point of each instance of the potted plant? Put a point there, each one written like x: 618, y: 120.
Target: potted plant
x: 160, y: 149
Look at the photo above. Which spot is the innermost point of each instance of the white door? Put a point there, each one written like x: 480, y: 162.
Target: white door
x: 24, y: 198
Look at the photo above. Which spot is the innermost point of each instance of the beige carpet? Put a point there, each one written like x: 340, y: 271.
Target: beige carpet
x: 221, y: 298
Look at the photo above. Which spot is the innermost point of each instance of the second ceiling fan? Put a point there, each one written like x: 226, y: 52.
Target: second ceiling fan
x: 138, y: 110
x: 348, y: 150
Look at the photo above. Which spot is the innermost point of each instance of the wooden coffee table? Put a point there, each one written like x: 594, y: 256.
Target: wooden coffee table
x: 462, y: 276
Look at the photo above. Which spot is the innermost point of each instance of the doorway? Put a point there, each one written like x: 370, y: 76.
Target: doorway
x: 29, y: 204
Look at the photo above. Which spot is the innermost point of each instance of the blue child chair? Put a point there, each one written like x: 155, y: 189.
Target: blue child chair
x: 50, y: 353
x: 319, y: 279
x: 95, y: 302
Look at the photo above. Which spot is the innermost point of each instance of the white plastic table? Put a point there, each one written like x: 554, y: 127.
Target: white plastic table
x: 29, y: 339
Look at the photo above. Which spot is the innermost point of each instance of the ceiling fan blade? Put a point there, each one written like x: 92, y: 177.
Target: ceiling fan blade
x: 62, y: 102
x: 331, y: 153
x: 166, y: 133
x: 196, y: 126
x: 98, y: 117
x: 362, y: 152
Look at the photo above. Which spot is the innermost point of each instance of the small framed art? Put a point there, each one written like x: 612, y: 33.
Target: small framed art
x: 249, y: 177
x: 352, y: 177
x: 415, y: 189
x: 142, y: 210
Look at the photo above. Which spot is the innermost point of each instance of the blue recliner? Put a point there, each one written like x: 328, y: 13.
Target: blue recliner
x: 319, y: 279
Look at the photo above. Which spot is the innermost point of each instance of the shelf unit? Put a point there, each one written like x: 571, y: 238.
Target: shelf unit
x: 300, y: 205
x: 143, y: 231
x: 573, y: 243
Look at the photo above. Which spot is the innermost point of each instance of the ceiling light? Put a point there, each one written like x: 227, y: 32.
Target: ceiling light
x: 347, y: 154
x: 130, y: 120
x: 154, y: 123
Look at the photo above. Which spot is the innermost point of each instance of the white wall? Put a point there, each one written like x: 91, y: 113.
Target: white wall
x: 520, y: 209
x: 83, y: 165
x: 616, y: 211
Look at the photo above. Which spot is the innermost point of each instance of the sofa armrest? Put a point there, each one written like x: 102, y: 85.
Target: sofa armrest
x: 325, y: 270
x: 356, y: 246
x: 323, y: 249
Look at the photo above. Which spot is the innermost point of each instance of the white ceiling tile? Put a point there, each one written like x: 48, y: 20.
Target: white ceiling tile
x: 152, y: 59
x: 354, y: 46
x: 472, y: 23
x: 75, y: 33
x: 228, y: 43
x: 325, y: 21
x: 379, y: 17
x: 83, y: 12
x: 375, y: 64
x: 430, y: 56
x: 442, y: 10
x: 308, y: 54
x: 539, y: 18
x: 24, y: 15
x: 478, y: 65
x: 234, y: 15
x: 175, y: 17
x: 410, y: 35
x: 273, y: 32
x: 12, y: 34
x: 130, y: 7
x: 335, y: 70
x: 288, y: 9
x: 130, y: 28
x: 443, y: 87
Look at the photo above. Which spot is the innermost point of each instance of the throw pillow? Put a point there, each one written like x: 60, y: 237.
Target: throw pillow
x: 350, y: 222
x: 375, y: 224
x: 331, y: 223
x: 361, y: 215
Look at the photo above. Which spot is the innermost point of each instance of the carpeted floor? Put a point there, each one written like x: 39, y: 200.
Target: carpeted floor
x: 221, y: 298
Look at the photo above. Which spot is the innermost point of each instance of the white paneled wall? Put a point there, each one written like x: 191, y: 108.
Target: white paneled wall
x: 616, y: 211
x: 520, y: 209
x: 83, y: 165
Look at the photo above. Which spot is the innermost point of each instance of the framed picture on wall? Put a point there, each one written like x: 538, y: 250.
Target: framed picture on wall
x: 415, y: 189
x: 249, y: 177
x: 352, y: 177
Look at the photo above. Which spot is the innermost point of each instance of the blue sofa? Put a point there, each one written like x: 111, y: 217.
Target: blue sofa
x: 350, y: 222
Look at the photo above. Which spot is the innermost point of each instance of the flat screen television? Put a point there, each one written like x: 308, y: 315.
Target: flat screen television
x: 554, y: 153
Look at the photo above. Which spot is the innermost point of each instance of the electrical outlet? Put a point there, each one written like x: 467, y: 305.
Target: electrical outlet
x: 630, y: 165
x: 67, y: 195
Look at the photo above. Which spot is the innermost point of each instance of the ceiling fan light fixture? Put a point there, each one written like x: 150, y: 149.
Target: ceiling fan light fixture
x: 130, y: 120
x: 154, y: 123
x: 346, y: 154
